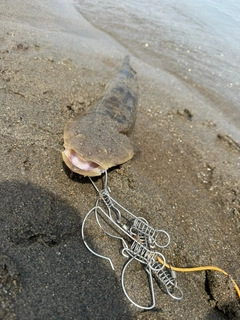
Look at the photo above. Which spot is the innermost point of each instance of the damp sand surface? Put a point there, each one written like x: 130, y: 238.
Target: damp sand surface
x: 183, y: 179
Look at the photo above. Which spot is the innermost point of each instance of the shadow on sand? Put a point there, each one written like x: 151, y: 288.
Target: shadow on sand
x: 45, y: 270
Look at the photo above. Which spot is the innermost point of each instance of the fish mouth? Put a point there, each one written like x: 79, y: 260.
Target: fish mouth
x: 79, y: 165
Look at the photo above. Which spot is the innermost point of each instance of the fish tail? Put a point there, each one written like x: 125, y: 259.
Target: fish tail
x: 126, y: 68
x: 126, y: 59
x: 126, y: 63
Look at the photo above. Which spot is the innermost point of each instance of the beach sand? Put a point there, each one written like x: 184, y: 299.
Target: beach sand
x: 184, y: 179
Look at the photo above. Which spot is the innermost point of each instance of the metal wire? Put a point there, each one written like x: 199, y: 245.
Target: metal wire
x: 140, y: 225
x: 168, y: 280
x: 143, y: 238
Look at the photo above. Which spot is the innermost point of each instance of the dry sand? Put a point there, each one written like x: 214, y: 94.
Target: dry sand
x: 184, y: 179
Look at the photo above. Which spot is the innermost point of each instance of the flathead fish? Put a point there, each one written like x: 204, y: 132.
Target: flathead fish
x: 98, y: 139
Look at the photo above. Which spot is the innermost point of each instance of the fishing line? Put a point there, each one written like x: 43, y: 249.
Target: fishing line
x: 203, y: 268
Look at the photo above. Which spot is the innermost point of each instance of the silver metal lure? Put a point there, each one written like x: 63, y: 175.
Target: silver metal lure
x: 144, y: 239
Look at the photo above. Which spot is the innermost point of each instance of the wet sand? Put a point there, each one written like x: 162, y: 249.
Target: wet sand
x: 183, y: 179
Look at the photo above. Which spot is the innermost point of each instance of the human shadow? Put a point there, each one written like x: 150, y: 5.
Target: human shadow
x: 45, y: 268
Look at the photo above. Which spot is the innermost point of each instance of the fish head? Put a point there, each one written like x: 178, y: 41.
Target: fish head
x: 81, y: 165
x: 92, y: 149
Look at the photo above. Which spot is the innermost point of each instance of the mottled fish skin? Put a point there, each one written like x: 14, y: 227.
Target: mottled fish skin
x: 98, y: 139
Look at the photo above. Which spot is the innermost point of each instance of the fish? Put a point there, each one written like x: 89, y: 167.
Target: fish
x: 99, y: 139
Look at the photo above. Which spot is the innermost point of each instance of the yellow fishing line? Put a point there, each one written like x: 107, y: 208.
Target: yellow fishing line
x: 204, y: 268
